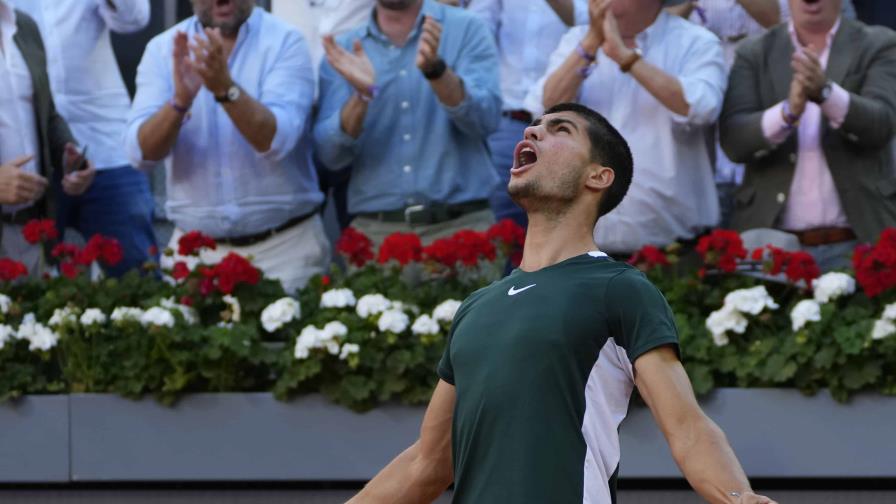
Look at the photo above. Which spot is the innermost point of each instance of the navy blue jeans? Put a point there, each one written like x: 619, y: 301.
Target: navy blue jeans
x: 502, y: 143
x: 119, y: 205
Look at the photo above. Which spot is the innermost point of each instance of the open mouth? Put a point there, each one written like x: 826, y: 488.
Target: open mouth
x: 524, y: 157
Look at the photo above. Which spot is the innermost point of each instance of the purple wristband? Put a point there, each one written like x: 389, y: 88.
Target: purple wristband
x: 372, y: 91
x: 175, y: 106
x: 790, y: 119
x: 584, y: 54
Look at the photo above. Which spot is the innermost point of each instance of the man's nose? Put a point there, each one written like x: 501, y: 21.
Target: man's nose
x: 533, y: 133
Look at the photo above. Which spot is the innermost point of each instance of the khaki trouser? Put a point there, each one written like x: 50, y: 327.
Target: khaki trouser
x: 292, y: 256
x: 377, y: 230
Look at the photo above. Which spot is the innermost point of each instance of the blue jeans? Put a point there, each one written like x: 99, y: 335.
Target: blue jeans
x: 502, y: 144
x: 119, y: 205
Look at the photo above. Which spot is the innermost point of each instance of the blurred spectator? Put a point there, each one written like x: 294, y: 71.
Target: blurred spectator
x: 877, y: 12
x: 527, y: 32
x: 811, y: 110
x: 408, y: 100
x: 225, y: 98
x: 659, y: 80
x: 36, y: 146
x: 90, y: 94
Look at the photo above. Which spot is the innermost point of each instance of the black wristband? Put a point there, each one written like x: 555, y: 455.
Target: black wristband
x: 436, y: 70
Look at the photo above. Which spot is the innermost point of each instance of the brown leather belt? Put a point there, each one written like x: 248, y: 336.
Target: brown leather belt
x: 518, y: 115
x: 252, y: 239
x: 824, y: 236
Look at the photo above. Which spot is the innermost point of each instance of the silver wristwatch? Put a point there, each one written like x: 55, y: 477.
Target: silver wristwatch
x: 232, y: 95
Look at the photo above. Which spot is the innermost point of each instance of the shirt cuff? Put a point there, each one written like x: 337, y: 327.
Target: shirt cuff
x: 836, y: 106
x: 774, y: 128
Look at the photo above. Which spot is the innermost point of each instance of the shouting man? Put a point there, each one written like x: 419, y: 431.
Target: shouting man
x: 528, y: 407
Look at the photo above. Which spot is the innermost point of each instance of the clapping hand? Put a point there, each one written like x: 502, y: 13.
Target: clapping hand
x: 355, y: 67
x: 18, y: 186
x: 808, y: 70
x: 428, y: 47
x: 209, y: 61
x: 597, y: 11
x: 751, y: 498
x: 186, y: 81
x: 76, y: 181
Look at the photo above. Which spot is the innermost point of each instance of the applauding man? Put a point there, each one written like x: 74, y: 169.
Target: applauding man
x: 225, y: 98
x: 811, y: 111
x: 408, y: 100
x: 660, y: 80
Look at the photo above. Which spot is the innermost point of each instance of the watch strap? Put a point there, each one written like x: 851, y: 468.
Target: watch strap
x: 436, y: 70
x: 627, y: 65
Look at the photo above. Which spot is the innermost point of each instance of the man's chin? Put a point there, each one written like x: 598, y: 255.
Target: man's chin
x: 396, y: 5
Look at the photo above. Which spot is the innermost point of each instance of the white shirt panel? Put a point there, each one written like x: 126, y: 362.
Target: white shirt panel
x: 18, y: 126
x: 84, y: 76
x: 672, y: 194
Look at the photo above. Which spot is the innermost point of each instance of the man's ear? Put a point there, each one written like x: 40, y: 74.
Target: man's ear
x: 599, y: 177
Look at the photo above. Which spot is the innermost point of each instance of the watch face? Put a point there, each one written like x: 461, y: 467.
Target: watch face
x: 233, y: 93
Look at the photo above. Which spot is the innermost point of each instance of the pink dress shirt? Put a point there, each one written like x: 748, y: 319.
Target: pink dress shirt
x: 813, y: 201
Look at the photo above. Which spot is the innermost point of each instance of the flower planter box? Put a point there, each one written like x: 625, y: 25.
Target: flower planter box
x: 34, y: 440
x: 777, y: 433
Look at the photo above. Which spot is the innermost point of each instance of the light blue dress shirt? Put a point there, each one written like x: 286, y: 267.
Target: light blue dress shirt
x: 413, y: 149
x: 216, y: 182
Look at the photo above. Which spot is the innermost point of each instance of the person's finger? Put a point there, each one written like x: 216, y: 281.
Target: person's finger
x: 35, y: 180
x: 427, y: 49
x: 21, y: 160
x: 358, y: 48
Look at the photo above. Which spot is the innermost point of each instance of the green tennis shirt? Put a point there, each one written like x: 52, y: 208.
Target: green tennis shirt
x: 542, y: 366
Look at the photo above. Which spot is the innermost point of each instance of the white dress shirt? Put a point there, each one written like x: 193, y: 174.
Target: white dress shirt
x: 87, y: 85
x: 18, y: 126
x: 527, y: 32
x: 216, y: 182
x: 672, y: 195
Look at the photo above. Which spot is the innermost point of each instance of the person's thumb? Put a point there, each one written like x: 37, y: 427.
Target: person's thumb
x: 21, y: 160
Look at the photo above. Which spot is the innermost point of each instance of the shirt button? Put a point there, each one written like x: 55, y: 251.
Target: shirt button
x: 402, y: 72
x: 852, y: 137
x: 781, y: 197
x: 405, y: 104
x: 407, y: 137
x: 407, y: 168
x: 793, y: 157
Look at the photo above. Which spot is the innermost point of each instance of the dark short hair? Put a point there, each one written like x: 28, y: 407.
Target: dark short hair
x: 607, y: 148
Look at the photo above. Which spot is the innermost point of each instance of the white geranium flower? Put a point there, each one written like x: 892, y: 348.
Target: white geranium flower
x: 752, y: 300
x: 6, y: 333
x: 280, y: 312
x: 5, y: 303
x: 395, y: 321
x: 889, y: 312
x: 39, y: 336
x: 425, y: 325
x: 446, y: 310
x: 337, y: 298
x: 372, y: 304
x: 332, y: 347
x: 63, y: 315
x: 233, y: 304
x: 723, y: 320
x: 309, y: 338
x: 188, y: 312
x: 126, y: 313
x: 93, y: 316
x: 807, y: 310
x: 301, y: 352
x: 833, y: 285
x: 157, y: 316
x: 335, y: 330
x: 882, y: 329
x: 224, y: 325
x: 348, y: 349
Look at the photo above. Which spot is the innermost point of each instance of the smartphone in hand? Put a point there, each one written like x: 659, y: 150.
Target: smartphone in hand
x: 81, y: 162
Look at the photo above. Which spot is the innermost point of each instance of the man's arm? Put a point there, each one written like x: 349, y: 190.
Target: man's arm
x: 741, y: 133
x: 698, y: 446
x: 422, y: 472
x: 124, y: 16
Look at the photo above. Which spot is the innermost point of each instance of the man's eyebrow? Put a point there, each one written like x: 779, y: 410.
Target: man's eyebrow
x: 536, y: 122
x: 557, y: 121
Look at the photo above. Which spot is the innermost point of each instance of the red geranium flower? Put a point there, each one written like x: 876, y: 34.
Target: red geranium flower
x: 180, y: 271
x: 40, y: 230
x: 402, y: 247
x: 442, y: 251
x: 65, y: 250
x: 186, y: 301
x: 233, y: 270
x: 70, y: 269
x: 191, y: 243
x: 875, y: 266
x: 325, y: 280
x: 473, y: 245
x: 721, y: 249
x: 507, y: 232
x: 648, y: 258
x: 100, y: 248
x: 795, y: 266
x: 10, y: 269
x: 355, y: 246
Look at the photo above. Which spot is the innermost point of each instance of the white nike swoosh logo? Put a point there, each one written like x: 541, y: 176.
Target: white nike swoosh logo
x: 513, y: 291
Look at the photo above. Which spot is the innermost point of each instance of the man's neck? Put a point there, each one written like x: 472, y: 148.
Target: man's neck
x: 397, y: 24
x: 551, y: 239
x: 632, y: 25
x: 815, y: 36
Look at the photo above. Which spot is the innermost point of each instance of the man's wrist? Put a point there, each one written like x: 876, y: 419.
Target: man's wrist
x: 435, y: 69
x: 791, y: 118
x: 591, y: 43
